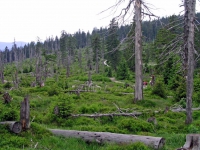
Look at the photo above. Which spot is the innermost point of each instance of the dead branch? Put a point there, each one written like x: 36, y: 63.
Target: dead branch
x: 108, y: 115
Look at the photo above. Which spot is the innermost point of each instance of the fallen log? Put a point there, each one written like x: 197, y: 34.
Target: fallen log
x: 108, y: 115
x: 192, y: 142
x: 103, y: 137
x: 14, y: 126
x: 182, y: 109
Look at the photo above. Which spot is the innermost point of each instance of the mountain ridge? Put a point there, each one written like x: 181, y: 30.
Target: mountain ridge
x: 10, y: 44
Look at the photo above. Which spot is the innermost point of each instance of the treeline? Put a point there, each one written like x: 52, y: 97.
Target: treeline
x: 81, y: 39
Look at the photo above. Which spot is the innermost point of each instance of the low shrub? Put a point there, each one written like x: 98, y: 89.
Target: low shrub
x: 54, y: 90
x: 135, y: 126
x: 64, y: 107
x: 196, y: 115
x: 175, y: 115
x: 134, y: 146
x: 146, y: 103
x: 89, y: 109
x: 7, y: 85
x: 39, y: 131
x: 9, y: 114
x: 193, y: 129
x: 159, y: 89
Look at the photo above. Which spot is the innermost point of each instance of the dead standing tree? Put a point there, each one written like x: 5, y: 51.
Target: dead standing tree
x: 189, y: 22
x: 138, y: 52
x: 1, y: 67
x: 183, y: 45
x: 15, y: 74
x: 140, y: 10
x: 39, y: 65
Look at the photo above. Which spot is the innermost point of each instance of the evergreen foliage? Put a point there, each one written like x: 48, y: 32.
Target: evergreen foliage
x: 113, y: 55
x: 122, y: 70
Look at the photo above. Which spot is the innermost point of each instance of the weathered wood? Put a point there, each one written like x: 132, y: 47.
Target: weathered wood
x: 134, y: 114
x: 103, y: 137
x: 189, y: 21
x: 138, y: 51
x: 182, y: 109
x: 25, y: 114
x: 152, y: 120
x: 7, y: 98
x: 108, y: 115
x: 192, y: 142
x: 14, y: 126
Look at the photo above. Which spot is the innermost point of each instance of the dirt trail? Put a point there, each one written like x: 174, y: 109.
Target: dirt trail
x: 114, y: 80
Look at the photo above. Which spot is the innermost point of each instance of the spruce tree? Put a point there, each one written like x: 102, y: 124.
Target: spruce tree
x: 113, y: 54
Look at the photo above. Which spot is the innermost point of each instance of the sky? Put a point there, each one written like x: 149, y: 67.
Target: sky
x: 25, y: 20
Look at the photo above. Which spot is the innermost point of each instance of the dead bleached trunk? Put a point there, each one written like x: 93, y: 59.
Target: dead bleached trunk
x: 2, y: 67
x: 108, y: 115
x: 189, y: 48
x: 80, y: 58
x: 138, y: 53
x: 192, y: 142
x: 103, y: 137
x: 97, y: 61
x: 68, y: 65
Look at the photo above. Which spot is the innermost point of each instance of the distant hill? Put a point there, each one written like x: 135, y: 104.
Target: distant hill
x: 9, y: 44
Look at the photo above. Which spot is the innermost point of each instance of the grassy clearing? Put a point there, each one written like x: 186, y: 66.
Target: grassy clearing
x: 169, y: 125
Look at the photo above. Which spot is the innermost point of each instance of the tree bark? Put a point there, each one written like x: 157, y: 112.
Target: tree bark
x: 138, y: 53
x: 108, y: 115
x: 25, y: 114
x: 103, y: 137
x: 14, y: 126
x: 189, y: 48
x: 192, y: 142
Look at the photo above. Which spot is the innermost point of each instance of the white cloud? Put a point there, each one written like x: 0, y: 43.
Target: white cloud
x: 24, y: 20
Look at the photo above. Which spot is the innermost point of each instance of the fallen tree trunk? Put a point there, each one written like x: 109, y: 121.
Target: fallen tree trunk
x: 134, y: 114
x: 14, y: 126
x: 182, y: 109
x: 108, y: 115
x: 102, y: 137
x: 192, y: 142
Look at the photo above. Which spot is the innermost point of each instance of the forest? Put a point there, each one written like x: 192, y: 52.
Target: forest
x: 82, y: 90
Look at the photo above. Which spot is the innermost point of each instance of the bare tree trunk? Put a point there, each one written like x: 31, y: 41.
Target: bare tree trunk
x: 103, y: 137
x: 97, y: 62
x: 2, y: 67
x: 25, y: 114
x: 80, y: 58
x: 58, y: 64
x: 68, y: 65
x: 189, y: 47
x: 138, y: 52
x: 89, y: 74
x: 37, y: 70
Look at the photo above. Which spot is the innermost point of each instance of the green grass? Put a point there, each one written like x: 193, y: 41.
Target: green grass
x: 108, y: 99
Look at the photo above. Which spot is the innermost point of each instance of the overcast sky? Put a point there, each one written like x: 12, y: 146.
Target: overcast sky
x: 24, y: 20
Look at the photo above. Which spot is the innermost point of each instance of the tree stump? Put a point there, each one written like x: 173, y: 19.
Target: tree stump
x: 192, y: 142
x: 56, y: 110
x: 7, y: 98
x: 25, y: 114
x: 14, y: 126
